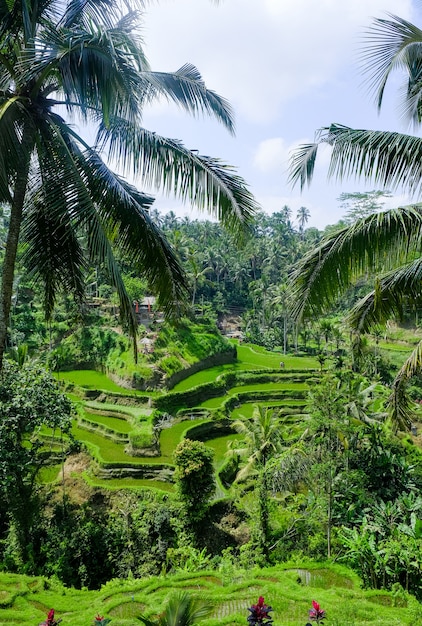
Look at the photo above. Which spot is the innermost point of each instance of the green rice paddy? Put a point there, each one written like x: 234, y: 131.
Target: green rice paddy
x: 91, y: 379
x: 128, y: 483
x: 124, y: 411
x: 211, y: 374
x: 170, y: 437
x: 117, y: 424
x: 122, y: 419
x: 278, y: 386
x: 259, y: 357
x: 246, y: 409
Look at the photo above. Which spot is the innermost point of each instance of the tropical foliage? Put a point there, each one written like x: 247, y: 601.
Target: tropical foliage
x: 314, y: 468
x: 182, y: 609
x: 30, y: 401
x: 195, y: 479
x: 385, y: 245
x: 85, y: 61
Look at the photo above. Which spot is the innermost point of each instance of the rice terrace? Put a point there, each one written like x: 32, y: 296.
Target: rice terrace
x: 216, y: 418
x: 109, y: 414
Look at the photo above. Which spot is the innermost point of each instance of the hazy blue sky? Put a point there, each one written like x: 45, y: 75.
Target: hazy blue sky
x: 288, y: 67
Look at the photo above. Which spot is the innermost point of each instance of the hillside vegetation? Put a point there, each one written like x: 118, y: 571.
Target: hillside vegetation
x: 290, y: 591
x: 213, y: 452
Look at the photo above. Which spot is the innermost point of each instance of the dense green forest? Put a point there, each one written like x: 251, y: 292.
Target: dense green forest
x: 200, y: 404
x: 238, y: 460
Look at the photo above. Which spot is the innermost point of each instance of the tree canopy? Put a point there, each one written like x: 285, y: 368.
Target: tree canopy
x: 385, y: 244
x: 70, y: 61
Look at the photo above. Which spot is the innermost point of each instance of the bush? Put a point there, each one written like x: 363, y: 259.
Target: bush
x: 195, y: 478
x: 142, y: 437
x: 170, y: 365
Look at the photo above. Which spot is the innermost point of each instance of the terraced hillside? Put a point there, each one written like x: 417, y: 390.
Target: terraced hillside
x: 290, y: 589
x: 131, y: 435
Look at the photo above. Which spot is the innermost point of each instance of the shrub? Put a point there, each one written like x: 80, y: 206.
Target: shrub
x: 195, y: 478
x: 170, y: 365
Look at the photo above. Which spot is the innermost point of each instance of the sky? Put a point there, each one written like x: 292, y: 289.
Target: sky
x: 288, y: 68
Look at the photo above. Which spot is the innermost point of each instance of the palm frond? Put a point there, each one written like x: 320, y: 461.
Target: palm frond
x: 135, y: 234
x: 98, y: 70
x: 78, y: 207
x: 392, y: 44
x: 53, y: 253
x: 81, y: 12
x: 302, y: 164
x: 123, y: 213
x: 187, y: 89
x: 388, y: 159
x: 399, y: 403
x: 376, y: 243
x: 412, y: 104
x: 291, y: 469
x: 13, y: 116
x: 181, y: 610
x: 105, y: 69
x: 394, y: 290
x: 167, y: 165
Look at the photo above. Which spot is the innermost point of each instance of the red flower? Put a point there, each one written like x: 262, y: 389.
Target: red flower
x: 100, y: 620
x: 259, y: 613
x: 316, y: 613
x: 50, y: 621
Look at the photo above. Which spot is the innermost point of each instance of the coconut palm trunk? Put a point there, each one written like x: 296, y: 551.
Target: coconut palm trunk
x: 9, y: 261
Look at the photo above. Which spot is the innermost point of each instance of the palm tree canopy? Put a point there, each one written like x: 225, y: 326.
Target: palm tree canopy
x: 387, y: 244
x: 84, y: 60
x: 389, y: 159
x: 394, y: 44
x: 261, y: 439
x: 374, y: 245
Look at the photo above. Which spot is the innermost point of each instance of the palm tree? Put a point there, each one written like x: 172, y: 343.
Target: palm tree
x: 279, y: 301
x: 181, y: 610
x: 262, y: 439
x: 286, y: 213
x: 66, y: 205
x: 196, y: 273
x: 303, y: 214
x: 386, y: 244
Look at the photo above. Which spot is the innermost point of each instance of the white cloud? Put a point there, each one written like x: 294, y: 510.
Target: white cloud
x: 288, y: 67
x: 271, y: 155
x: 263, y: 54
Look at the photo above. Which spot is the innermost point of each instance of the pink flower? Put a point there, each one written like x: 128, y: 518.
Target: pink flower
x: 50, y: 621
x: 259, y: 613
x: 316, y: 613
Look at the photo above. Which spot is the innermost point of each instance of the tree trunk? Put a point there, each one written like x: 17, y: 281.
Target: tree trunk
x: 264, y: 512
x: 330, y: 510
x: 12, y: 241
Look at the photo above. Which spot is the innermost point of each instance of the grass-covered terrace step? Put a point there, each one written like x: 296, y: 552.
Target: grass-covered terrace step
x: 88, y: 423
x: 162, y: 473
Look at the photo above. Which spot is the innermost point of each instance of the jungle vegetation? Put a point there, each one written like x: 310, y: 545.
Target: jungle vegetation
x: 332, y: 475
